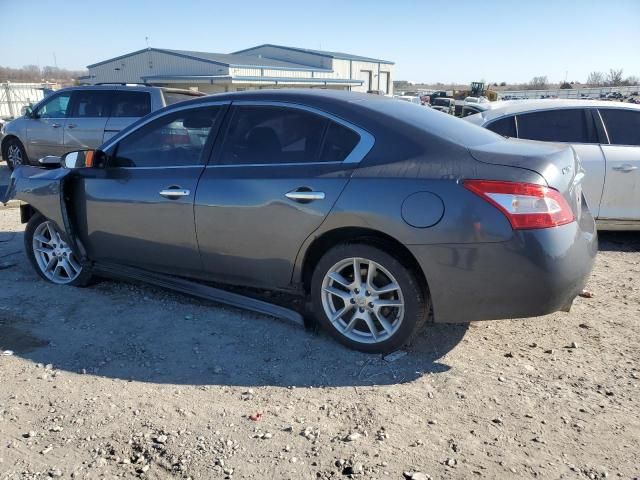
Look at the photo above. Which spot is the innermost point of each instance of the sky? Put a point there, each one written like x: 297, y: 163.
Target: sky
x: 431, y: 41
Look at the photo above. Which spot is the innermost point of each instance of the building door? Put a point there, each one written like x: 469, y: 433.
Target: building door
x: 384, y: 82
x: 365, y: 76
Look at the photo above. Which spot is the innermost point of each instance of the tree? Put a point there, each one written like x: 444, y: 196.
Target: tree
x: 565, y: 85
x: 503, y: 84
x: 539, y: 83
x: 614, y: 78
x: 595, y: 79
x: 632, y: 80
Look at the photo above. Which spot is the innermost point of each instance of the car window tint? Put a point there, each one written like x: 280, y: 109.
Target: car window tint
x: 338, y: 143
x: 504, y: 126
x: 623, y: 126
x: 130, y: 104
x: 56, y: 107
x: 90, y: 104
x: 177, y: 139
x: 266, y: 135
x: 563, y: 125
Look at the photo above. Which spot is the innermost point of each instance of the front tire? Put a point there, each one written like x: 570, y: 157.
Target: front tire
x: 368, y: 299
x: 14, y: 153
x: 50, y: 256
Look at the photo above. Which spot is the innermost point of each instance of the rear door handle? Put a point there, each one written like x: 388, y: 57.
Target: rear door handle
x: 56, y: 125
x: 173, y: 193
x: 625, y: 168
x: 71, y: 125
x: 304, y: 196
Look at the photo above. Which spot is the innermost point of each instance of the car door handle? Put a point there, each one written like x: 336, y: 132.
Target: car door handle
x: 174, y: 193
x: 71, y: 125
x: 304, y: 195
x: 625, y: 168
x: 56, y: 125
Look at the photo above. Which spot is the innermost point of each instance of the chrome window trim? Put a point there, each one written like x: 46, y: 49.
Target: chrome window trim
x: 358, y: 153
x: 160, y: 113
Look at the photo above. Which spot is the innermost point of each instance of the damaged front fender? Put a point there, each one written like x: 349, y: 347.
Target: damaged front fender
x: 44, y: 191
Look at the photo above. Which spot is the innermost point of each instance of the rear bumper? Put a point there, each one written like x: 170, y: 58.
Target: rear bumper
x: 535, y: 273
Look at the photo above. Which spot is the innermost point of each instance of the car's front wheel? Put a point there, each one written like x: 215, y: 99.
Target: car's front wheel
x: 14, y: 153
x: 368, y: 299
x: 51, y: 256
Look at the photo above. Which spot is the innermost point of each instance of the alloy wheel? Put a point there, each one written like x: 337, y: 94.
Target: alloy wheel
x: 362, y: 300
x: 14, y: 155
x: 54, y: 256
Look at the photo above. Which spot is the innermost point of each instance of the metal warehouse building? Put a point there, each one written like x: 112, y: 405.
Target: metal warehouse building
x: 264, y: 66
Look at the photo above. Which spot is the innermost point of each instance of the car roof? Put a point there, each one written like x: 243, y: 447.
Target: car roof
x: 514, y: 107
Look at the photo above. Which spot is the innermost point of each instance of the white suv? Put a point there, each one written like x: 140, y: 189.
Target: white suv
x: 606, y: 136
x: 80, y: 117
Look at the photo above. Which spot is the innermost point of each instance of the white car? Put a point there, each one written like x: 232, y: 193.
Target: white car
x: 606, y: 137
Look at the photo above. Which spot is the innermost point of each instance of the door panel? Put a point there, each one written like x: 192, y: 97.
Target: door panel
x: 621, y: 196
x: 593, y: 162
x: 249, y: 232
x: 86, y: 119
x: 45, y: 131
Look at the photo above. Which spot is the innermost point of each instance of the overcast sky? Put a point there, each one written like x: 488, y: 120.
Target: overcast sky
x: 456, y: 41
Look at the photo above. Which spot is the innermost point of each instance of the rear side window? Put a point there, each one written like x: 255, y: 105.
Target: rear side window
x: 271, y: 135
x: 177, y: 139
x: 339, y: 142
x: 130, y: 104
x: 623, y: 126
x: 564, y: 125
x: 90, y: 104
x: 174, y: 97
x: 504, y: 126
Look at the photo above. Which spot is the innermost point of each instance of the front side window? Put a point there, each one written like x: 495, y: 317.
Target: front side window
x: 623, y: 126
x: 56, y: 107
x: 280, y: 135
x: 90, y: 104
x: 563, y: 125
x: 130, y: 104
x: 176, y: 139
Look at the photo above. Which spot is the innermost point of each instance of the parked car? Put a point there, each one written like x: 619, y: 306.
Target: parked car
x: 605, y: 135
x: 377, y: 210
x: 80, y: 117
x: 446, y: 105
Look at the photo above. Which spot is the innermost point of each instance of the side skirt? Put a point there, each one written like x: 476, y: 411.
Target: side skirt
x: 197, y: 290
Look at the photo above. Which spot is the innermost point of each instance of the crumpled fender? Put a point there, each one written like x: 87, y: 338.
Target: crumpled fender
x: 44, y: 190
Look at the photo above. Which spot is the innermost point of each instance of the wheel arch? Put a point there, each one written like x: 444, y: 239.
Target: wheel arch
x: 5, y: 141
x: 376, y: 238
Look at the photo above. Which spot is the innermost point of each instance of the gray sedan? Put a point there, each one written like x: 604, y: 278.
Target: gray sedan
x: 380, y: 212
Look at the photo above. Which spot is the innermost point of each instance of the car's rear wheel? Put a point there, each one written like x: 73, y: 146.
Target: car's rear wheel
x: 368, y: 299
x: 51, y: 256
x: 14, y: 153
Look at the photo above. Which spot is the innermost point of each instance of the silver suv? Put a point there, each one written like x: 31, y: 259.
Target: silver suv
x: 80, y: 117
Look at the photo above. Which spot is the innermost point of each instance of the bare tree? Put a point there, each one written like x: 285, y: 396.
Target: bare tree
x: 632, y: 80
x: 595, y: 79
x: 614, y: 78
x: 539, y: 83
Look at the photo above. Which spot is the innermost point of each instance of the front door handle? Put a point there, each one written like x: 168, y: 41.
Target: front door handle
x: 56, y: 125
x: 173, y: 193
x: 304, y: 195
x: 625, y: 168
x: 71, y: 125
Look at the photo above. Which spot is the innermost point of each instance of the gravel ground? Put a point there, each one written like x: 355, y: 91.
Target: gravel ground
x: 126, y: 380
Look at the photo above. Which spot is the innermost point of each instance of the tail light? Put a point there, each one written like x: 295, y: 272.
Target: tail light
x: 526, y: 205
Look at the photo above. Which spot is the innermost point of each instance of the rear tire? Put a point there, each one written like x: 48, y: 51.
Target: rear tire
x: 50, y: 256
x: 14, y: 154
x: 379, y: 309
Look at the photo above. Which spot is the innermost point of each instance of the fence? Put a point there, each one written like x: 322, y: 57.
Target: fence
x: 14, y: 96
x: 594, y: 92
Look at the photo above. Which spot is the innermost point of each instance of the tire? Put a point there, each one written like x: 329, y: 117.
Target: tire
x: 70, y: 271
x: 14, y: 154
x: 405, y: 309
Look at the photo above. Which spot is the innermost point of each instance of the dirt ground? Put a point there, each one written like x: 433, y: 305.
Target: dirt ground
x: 121, y: 380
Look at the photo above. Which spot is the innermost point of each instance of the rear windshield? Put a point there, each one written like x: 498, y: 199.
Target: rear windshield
x: 174, y: 97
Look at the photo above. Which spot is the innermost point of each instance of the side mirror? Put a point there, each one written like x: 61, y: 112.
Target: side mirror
x: 26, y: 111
x: 78, y: 159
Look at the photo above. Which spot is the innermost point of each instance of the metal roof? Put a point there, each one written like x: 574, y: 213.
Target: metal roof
x: 323, y: 53
x: 227, y: 59
x: 514, y: 107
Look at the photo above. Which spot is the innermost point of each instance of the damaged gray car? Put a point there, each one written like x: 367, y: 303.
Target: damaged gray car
x: 383, y: 214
